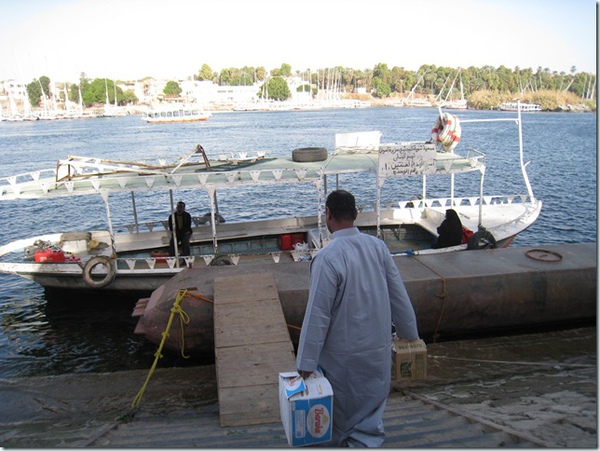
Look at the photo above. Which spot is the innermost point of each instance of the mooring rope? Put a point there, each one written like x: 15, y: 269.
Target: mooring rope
x: 441, y: 295
x: 183, y: 319
x: 508, y: 362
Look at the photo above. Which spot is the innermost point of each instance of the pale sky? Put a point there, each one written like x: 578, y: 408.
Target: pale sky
x: 132, y: 39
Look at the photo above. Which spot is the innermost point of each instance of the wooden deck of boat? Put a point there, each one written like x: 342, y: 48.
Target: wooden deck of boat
x: 252, y: 346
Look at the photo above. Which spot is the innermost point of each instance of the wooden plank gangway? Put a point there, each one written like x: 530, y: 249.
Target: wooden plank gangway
x: 252, y: 346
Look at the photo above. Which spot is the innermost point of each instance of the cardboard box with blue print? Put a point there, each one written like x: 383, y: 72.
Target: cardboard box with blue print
x: 410, y: 358
x: 306, y: 408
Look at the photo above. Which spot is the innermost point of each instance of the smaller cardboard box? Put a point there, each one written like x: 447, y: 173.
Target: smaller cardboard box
x: 410, y: 360
x: 306, y: 408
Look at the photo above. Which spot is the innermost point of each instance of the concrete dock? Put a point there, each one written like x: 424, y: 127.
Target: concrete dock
x: 534, y: 390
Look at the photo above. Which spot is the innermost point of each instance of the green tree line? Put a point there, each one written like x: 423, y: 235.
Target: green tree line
x: 381, y: 81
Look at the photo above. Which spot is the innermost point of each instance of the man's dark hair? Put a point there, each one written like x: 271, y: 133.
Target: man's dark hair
x: 342, y: 205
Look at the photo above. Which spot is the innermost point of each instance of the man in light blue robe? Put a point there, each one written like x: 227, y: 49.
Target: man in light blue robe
x: 355, y: 293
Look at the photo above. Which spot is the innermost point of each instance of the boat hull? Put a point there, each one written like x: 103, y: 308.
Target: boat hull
x: 453, y: 293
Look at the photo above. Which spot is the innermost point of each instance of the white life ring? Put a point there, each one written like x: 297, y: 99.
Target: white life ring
x: 446, y: 131
x: 91, y: 264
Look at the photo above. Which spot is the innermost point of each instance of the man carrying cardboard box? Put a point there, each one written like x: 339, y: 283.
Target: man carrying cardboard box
x: 355, y: 293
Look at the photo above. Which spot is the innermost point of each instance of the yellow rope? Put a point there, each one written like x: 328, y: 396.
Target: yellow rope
x: 184, y: 318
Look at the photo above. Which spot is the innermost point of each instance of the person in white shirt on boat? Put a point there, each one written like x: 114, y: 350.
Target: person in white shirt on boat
x: 181, y: 221
x: 355, y: 293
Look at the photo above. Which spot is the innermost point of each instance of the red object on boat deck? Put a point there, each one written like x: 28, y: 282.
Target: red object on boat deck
x: 466, y: 234
x: 287, y: 241
x: 49, y: 256
x: 160, y: 256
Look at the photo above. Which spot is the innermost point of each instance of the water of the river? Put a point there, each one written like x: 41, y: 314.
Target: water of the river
x: 40, y: 336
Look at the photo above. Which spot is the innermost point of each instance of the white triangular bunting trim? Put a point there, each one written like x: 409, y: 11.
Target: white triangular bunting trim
x: 255, y: 175
x: 35, y: 175
x: 149, y: 182
x: 277, y: 173
x: 234, y: 259
x: 69, y: 185
x: 122, y: 182
x: 208, y: 259
x: 151, y: 262
x: 95, y: 184
x: 189, y: 261
x: 130, y: 262
x: 171, y: 262
x: 177, y: 179
x: 276, y: 256
x: 300, y: 173
x: 150, y: 225
x: 202, y: 178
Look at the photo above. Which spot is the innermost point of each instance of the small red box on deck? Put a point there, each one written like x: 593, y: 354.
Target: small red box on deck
x: 49, y: 256
x: 288, y: 241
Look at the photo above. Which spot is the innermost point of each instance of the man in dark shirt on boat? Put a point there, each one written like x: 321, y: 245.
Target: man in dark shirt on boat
x: 183, y: 230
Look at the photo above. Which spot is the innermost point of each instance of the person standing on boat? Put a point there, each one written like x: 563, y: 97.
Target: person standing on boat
x: 356, y: 292
x: 450, y: 232
x: 181, y: 220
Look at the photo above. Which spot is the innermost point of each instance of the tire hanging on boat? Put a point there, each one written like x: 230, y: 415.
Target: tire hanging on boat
x: 446, y: 131
x: 482, y: 239
x: 89, y: 267
x: 307, y: 154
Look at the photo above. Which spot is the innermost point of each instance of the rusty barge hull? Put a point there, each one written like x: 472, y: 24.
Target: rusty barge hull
x: 457, y: 293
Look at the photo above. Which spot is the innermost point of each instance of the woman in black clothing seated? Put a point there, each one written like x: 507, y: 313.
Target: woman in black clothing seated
x: 450, y: 232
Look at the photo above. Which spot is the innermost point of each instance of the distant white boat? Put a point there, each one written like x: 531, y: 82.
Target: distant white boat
x: 176, y: 114
x: 455, y: 104
x: 412, y: 101
x: 525, y: 107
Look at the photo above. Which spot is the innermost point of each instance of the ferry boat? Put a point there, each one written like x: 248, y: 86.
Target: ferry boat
x: 133, y: 257
x: 176, y: 114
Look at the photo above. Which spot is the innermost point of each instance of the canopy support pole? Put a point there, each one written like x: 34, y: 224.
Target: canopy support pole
x: 174, y: 229
x: 135, y: 218
x: 481, y: 198
x: 212, y: 195
x: 104, y: 195
x: 320, y: 196
x: 380, y: 181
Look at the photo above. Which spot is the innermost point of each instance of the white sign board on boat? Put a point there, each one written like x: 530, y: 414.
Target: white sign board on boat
x: 407, y: 159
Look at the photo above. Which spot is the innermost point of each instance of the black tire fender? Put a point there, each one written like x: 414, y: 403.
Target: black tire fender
x: 307, y: 154
x: 91, y: 264
x: 482, y: 239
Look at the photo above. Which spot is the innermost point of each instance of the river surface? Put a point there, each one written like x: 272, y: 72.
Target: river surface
x: 42, y: 334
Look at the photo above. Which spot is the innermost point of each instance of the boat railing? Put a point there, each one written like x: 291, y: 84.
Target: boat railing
x: 150, y: 263
x: 24, y: 177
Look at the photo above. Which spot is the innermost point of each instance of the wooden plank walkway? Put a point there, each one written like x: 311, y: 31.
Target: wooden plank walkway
x: 252, y: 346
